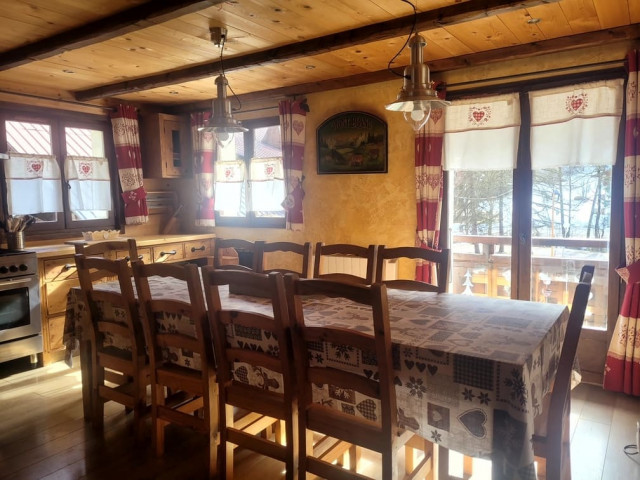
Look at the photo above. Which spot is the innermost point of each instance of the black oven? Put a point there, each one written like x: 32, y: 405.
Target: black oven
x: 20, y: 322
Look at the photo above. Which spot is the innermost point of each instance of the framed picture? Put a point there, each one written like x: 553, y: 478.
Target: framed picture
x: 352, y: 142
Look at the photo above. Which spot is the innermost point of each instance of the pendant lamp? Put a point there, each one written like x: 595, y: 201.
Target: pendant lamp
x: 221, y: 121
x: 417, y: 97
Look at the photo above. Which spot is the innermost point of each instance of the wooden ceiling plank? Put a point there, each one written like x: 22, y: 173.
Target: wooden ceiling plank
x: 572, y: 42
x: 581, y: 15
x: 519, y: 24
x: 612, y: 14
x: 553, y: 23
x: 448, y: 42
x: 484, y: 34
x: 140, y: 16
x: 452, y: 15
x: 634, y: 11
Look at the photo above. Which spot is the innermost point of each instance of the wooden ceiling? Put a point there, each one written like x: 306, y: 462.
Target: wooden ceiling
x: 161, y: 52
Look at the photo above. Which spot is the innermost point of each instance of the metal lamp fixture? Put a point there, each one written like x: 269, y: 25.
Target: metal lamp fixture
x: 221, y: 121
x: 417, y: 97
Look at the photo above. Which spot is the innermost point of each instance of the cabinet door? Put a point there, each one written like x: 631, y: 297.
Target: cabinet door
x: 173, y: 154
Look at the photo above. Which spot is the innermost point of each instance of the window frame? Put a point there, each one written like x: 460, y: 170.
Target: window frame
x: 58, y: 120
x: 522, y: 191
x: 251, y: 221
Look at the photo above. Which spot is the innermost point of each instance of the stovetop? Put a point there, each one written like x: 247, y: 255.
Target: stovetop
x: 17, y: 263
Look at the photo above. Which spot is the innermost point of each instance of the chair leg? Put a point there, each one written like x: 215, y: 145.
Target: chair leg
x: 158, y: 424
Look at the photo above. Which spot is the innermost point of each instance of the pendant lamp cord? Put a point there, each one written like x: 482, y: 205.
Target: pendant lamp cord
x: 413, y: 29
x: 222, y: 42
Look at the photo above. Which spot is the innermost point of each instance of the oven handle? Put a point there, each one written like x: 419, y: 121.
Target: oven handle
x: 12, y: 283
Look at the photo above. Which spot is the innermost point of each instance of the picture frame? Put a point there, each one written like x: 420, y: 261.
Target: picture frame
x: 352, y: 142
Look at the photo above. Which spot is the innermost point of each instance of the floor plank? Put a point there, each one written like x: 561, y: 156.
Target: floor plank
x: 44, y: 436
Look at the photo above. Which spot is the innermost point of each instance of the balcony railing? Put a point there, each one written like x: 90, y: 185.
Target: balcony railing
x: 482, y: 266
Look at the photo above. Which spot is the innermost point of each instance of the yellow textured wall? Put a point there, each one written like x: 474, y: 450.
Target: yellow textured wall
x: 358, y: 209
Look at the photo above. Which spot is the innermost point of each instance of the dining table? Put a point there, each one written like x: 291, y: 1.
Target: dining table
x: 470, y: 371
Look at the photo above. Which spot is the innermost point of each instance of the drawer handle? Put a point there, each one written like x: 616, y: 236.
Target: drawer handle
x: 127, y: 258
x: 170, y: 252
x: 68, y: 266
x: 199, y: 249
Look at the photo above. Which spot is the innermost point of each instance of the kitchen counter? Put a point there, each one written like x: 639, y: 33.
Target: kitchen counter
x: 66, y: 247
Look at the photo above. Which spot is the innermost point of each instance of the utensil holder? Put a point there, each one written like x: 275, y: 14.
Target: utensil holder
x: 15, y: 240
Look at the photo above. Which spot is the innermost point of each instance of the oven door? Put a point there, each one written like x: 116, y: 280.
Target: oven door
x: 19, y: 308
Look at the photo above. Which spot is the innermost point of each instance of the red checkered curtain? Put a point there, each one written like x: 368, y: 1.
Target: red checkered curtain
x: 292, y: 127
x: 127, y: 143
x: 622, y: 367
x: 204, y: 157
x: 429, y: 184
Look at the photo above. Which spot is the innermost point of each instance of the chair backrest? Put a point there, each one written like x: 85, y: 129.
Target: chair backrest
x: 376, y: 429
x: 108, y: 249
x: 345, y: 250
x: 240, y: 246
x: 302, y: 250
x: 126, y: 322
x: 562, y: 382
x: 438, y: 258
x: 176, y: 329
x: 278, y: 359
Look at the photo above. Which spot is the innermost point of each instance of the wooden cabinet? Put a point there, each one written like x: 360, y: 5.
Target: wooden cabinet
x: 58, y: 274
x: 165, y: 146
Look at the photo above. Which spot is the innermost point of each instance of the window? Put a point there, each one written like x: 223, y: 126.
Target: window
x: 526, y: 232
x: 249, y: 187
x: 57, y: 170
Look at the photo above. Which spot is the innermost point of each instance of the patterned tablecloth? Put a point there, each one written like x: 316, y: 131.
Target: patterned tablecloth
x: 470, y: 371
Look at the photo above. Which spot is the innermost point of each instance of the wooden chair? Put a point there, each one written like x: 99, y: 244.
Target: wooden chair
x: 304, y: 251
x: 272, y: 401
x: 347, y: 250
x: 183, y: 375
x: 238, y: 245
x: 551, y: 430
x: 382, y: 435
x: 439, y: 258
x: 108, y: 248
x: 116, y: 314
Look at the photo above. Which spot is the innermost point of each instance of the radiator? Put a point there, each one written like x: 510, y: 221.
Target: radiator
x: 356, y: 266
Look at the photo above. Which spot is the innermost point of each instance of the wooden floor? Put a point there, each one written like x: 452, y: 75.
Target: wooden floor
x: 43, y: 436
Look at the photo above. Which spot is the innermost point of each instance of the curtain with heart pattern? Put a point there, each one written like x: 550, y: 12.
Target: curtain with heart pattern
x: 33, y: 184
x: 429, y: 186
x: 204, y: 157
x: 126, y: 139
x: 622, y: 366
x: 292, y: 128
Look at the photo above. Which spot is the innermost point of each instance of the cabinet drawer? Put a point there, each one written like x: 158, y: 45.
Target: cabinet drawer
x: 55, y: 332
x: 56, y: 295
x: 144, y: 252
x: 169, y: 252
x: 60, y: 269
x: 197, y: 249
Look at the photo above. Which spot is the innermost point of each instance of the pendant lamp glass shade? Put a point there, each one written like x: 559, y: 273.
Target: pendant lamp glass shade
x: 417, y: 98
x: 221, y: 121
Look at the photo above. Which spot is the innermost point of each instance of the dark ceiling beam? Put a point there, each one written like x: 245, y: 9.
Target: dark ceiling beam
x: 573, y: 42
x: 432, y: 19
x: 121, y: 23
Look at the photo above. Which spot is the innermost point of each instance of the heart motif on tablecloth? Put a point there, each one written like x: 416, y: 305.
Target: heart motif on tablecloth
x: 267, y: 334
x: 421, y: 366
x: 242, y: 374
x: 473, y: 421
x: 433, y: 369
x: 409, y: 364
x: 367, y: 409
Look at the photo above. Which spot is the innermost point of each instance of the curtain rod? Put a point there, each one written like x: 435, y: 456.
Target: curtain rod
x: 589, y: 67
x: 58, y: 100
